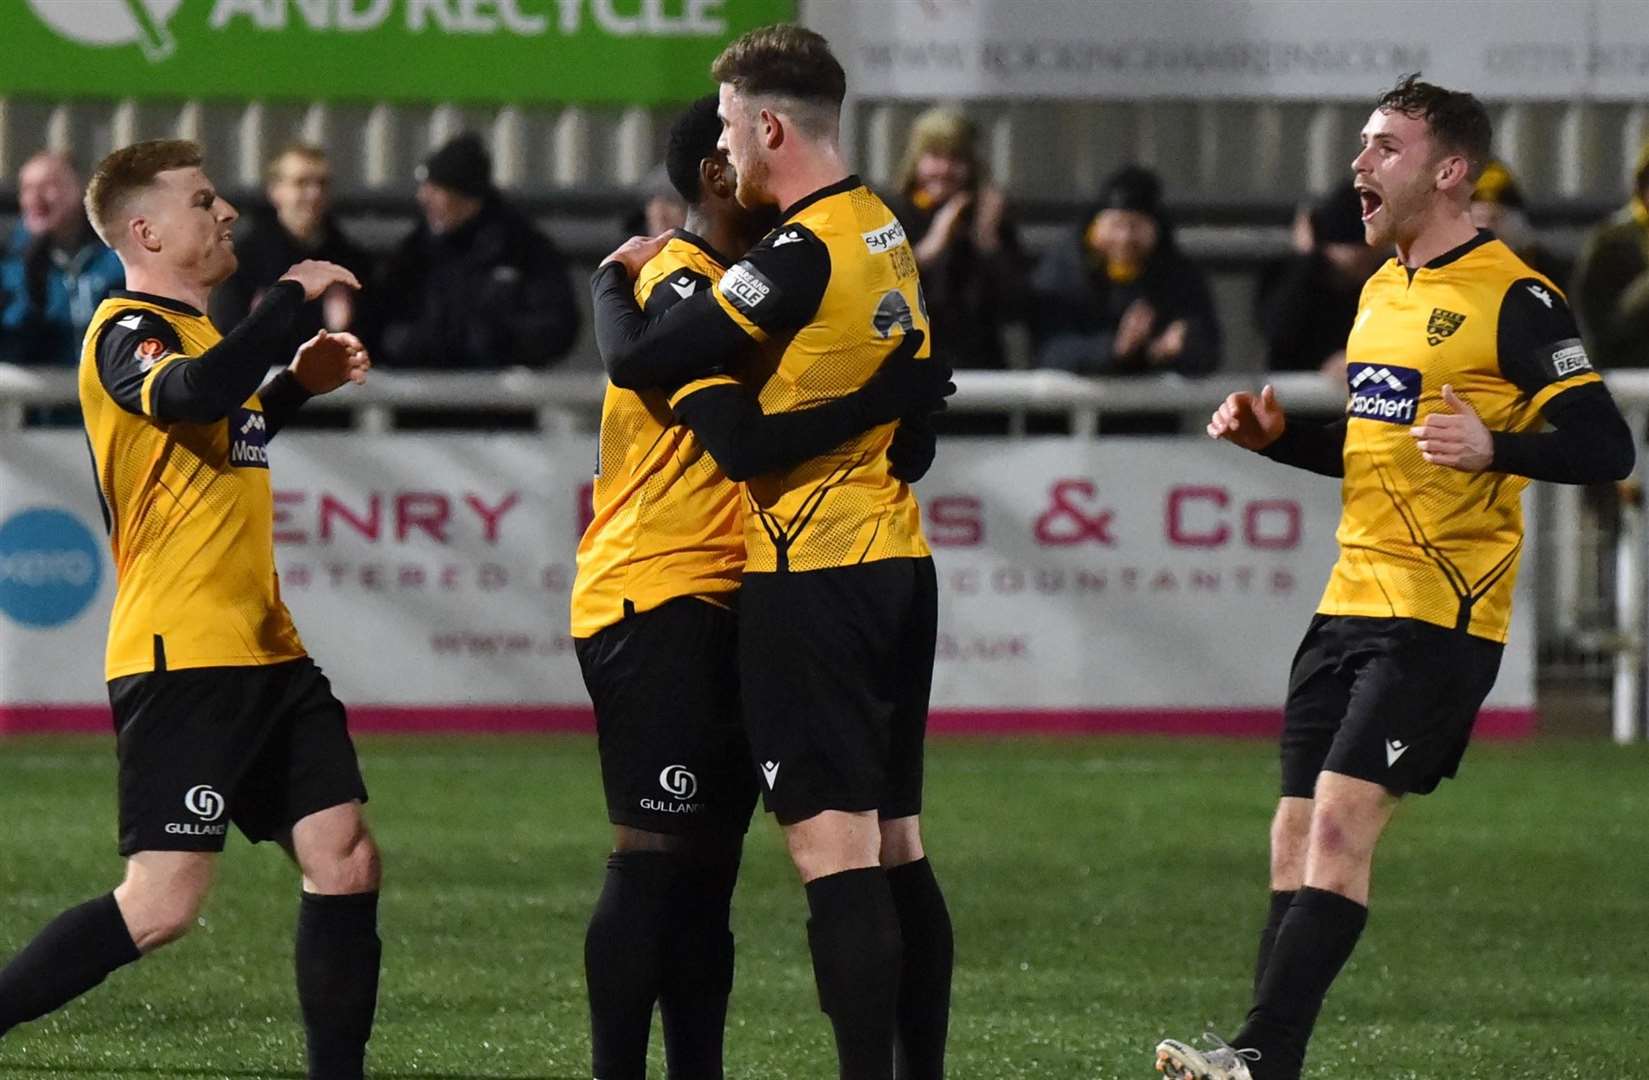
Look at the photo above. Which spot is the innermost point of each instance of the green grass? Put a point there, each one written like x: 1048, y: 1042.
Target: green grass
x: 1105, y: 893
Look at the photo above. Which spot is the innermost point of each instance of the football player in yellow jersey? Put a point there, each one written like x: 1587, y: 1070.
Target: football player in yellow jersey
x: 838, y: 608
x: 1467, y: 378
x: 219, y: 714
x: 656, y: 635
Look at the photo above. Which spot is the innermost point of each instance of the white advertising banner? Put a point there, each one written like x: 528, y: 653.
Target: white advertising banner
x: 1191, y: 49
x: 1124, y: 584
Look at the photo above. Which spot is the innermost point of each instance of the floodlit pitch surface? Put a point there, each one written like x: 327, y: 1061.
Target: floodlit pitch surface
x: 1105, y: 893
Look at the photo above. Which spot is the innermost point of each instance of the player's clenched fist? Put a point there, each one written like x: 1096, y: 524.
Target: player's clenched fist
x: 317, y: 276
x: 1252, y: 422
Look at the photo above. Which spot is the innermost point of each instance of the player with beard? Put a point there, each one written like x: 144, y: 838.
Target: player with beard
x: 1467, y: 379
x: 656, y: 635
x: 838, y: 608
x: 220, y: 716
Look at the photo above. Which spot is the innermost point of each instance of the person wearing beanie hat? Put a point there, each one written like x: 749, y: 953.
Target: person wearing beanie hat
x: 1611, y: 281
x: 1307, y: 301
x: 1498, y: 205
x: 477, y: 284
x: 972, y: 264
x: 1119, y: 298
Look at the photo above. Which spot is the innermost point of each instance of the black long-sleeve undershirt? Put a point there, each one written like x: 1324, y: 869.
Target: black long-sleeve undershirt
x: 210, y: 386
x: 282, y: 397
x: 1590, y: 442
x: 1318, y: 448
x: 694, y: 338
x: 746, y: 442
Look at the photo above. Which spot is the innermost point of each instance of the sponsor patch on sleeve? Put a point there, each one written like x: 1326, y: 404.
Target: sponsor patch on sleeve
x: 746, y: 288
x: 149, y: 352
x: 1566, y: 358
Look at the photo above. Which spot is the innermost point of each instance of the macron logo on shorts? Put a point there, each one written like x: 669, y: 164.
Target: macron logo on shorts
x: 1395, y: 748
x: 1384, y: 392
x: 770, y: 773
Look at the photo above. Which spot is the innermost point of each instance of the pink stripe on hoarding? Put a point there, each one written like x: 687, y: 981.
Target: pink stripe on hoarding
x: 536, y: 719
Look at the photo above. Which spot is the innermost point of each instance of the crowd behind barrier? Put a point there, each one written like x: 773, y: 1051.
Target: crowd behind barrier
x: 1105, y: 316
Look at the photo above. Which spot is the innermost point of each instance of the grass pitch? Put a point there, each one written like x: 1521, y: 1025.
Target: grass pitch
x: 1105, y: 893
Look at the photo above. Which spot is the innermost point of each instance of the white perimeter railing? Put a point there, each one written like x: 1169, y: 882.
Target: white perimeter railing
x: 571, y: 401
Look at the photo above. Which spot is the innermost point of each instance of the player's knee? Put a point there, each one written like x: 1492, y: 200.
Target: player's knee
x: 157, y: 916
x: 356, y: 867
x: 901, y: 842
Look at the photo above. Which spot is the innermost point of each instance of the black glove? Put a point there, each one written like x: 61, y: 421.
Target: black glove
x: 906, y: 386
x: 911, y: 453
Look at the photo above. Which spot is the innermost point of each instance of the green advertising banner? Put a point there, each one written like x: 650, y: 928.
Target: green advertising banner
x: 483, y: 51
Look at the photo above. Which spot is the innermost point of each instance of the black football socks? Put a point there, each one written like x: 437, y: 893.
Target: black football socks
x: 623, y: 960
x: 1281, y: 901
x: 73, y: 953
x: 697, y: 975
x: 1315, y: 939
x: 856, y: 945
x: 337, y: 959
x: 924, y: 977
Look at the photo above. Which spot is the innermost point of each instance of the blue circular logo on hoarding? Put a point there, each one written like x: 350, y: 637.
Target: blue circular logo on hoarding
x: 50, y: 567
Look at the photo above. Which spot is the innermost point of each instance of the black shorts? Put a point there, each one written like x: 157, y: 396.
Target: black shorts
x: 1390, y: 701
x: 665, y: 684
x: 837, y: 666
x: 262, y: 746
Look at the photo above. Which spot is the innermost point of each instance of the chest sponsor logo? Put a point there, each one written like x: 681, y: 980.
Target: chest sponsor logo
x: 886, y: 238
x: 1442, y: 324
x: 745, y: 288
x: 248, y: 440
x: 1383, y: 392
x: 1569, y: 357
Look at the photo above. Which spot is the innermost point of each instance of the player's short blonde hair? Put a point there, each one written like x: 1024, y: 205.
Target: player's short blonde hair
x: 127, y: 173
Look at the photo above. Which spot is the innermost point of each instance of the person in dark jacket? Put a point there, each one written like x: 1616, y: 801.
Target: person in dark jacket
x: 298, y: 224
x: 54, y: 271
x: 973, y: 270
x: 1119, y: 298
x: 1307, y: 301
x: 1610, y: 290
x: 477, y: 285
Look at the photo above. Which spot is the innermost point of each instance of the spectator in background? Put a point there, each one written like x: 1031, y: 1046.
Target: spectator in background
x: 298, y: 225
x: 662, y: 210
x: 55, y: 271
x: 1308, y: 300
x: 477, y: 284
x: 965, y: 244
x: 1118, y: 298
x: 1610, y: 291
x: 1497, y: 205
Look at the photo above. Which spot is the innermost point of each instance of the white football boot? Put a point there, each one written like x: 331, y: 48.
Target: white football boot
x: 1223, y: 1061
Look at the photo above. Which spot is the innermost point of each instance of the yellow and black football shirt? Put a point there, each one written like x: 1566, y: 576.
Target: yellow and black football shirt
x: 1419, y: 540
x: 668, y: 522
x: 188, y: 505
x: 826, y: 296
